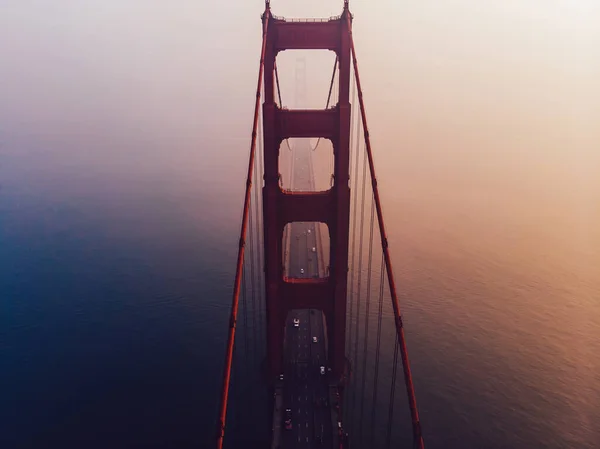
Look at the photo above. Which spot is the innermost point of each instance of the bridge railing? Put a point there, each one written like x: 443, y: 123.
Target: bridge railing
x: 304, y: 20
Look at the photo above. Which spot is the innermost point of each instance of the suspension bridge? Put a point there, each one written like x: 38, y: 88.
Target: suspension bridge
x: 315, y: 337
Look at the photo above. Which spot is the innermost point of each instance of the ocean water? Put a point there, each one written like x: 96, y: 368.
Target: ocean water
x: 115, y: 287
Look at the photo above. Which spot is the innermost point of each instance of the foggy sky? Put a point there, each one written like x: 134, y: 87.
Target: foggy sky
x: 463, y: 92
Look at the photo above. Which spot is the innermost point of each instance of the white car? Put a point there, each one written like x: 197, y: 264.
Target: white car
x: 315, y: 339
x: 322, y: 370
x: 301, y: 270
x: 314, y: 250
x: 296, y: 322
x: 309, y: 231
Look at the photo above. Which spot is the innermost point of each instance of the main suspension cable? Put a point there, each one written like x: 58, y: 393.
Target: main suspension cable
x: 220, y: 430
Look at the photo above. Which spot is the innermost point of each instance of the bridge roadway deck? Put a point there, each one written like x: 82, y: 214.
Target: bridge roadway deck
x: 305, y: 390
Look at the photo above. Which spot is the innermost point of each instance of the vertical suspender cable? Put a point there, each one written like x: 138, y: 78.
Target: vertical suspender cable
x: 366, y: 337
x: 377, y: 350
x: 354, y: 215
x: 237, y: 405
x: 359, y: 285
x: 260, y: 243
x: 392, y: 394
x: 245, y: 334
x: 257, y: 185
x: 352, y: 124
x: 412, y: 401
x: 240, y: 258
x: 252, y: 285
x: 352, y: 299
x: 353, y: 234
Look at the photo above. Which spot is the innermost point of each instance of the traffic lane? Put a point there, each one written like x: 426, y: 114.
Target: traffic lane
x: 298, y: 259
x: 290, y: 342
x: 297, y: 397
x: 322, y: 413
x: 312, y: 243
x: 318, y: 381
x: 305, y: 412
x: 305, y: 386
x: 299, y: 393
x: 299, y: 252
x: 294, y: 336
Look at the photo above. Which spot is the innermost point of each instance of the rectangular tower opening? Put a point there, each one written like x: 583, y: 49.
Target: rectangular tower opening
x: 305, y: 250
x: 298, y: 69
x: 306, y: 165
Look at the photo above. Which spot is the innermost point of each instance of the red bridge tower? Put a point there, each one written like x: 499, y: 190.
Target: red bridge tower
x: 331, y: 207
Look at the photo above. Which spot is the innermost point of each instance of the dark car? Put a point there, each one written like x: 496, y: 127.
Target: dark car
x: 288, y: 418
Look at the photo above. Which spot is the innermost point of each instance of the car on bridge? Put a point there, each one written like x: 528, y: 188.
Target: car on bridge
x: 288, y: 419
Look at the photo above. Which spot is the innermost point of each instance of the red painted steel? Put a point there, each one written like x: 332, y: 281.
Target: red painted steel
x: 307, y: 35
x: 331, y: 207
x: 307, y: 294
x: 336, y: 324
x: 417, y: 435
x: 307, y: 206
x: 240, y: 258
x: 307, y: 123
